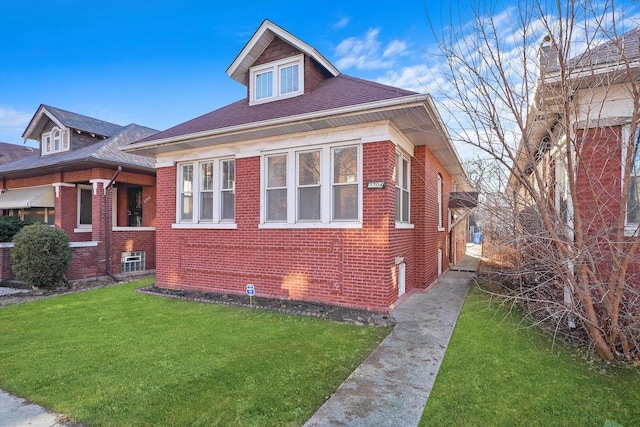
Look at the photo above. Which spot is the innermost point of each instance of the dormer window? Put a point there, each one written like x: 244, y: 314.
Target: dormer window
x: 55, y: 141
x: 277, y: 80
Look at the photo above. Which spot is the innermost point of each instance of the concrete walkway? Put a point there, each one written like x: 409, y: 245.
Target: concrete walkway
x: 391, y: 387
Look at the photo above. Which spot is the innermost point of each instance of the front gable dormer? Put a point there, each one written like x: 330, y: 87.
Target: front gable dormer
x: 276, y: 65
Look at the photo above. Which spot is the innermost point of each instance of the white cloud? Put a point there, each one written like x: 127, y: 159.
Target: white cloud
x: 13, y: 121
x: 341, y: 23
x: 367, y: 53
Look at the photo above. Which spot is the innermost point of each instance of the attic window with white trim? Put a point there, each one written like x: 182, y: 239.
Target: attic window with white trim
x: 55, y: 141
x: 277, y: 80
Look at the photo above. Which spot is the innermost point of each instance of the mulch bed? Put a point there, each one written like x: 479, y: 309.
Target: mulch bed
x: 301, y: 308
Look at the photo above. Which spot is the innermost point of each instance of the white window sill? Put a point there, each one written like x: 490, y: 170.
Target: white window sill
x: 630, y: 230
x: 133, y: 229
x: 440, y: 228
x: 83, y: 244
x: 404, y: 225
x: 204, y: 226
x: 311, y: 225
x: 82, y: 230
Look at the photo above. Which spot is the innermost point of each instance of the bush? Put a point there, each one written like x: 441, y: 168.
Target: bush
x: 41, y: 255
x: 10, y: 225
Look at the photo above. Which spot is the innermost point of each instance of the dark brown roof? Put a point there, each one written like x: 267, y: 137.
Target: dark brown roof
x: 13, y: 152
x: 335, y: 92
x: 463, y: 199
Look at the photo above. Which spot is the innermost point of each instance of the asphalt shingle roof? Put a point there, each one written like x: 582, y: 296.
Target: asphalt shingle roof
x: 83, y: 123
x: 610, y: 51
x: 335, y: 92
x: 103, y: 151
x: 13, y: 152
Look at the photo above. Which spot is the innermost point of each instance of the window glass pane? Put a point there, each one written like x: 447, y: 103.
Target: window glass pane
x: 186, y: 205
x: 56, y: 140
x: 345, y: 165
x: 228, y: 205
x: 397, y: 170
x: 405, y: 206
x: 345, y: 202
x: 405, y: 174
x: 85, y: 206
x: 309, y: 168
x: 51, y: 216
x: 228, y: 174
x: 309, y: 203
x: 206, y: 173
x: 398, y: 205
x: 34, y: 214
x: 264, y: 85
x: 206, y: 206
x: 277, y: 205
x: 276, y: 171
x: 633, y: 199
x: 289, y: 79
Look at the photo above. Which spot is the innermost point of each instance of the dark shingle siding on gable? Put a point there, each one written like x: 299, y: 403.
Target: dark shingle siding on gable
x: 336, y: 92
x: 276, y: 51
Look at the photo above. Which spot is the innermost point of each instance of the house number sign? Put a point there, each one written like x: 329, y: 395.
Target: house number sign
x: 374, y: 185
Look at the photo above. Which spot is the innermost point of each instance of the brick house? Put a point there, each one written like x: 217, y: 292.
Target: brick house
x: 604, y: 108
x: 317, y: 186
x: 81, y: 182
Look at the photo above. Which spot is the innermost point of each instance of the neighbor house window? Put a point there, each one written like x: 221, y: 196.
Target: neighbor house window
x: 633, y: 197
x: 206, y: 192
x: 85, y: 210
x: 55, y: 141
x: 402, y: 176
x: 440, y: 223
x: 277, y: 80
x: 317, y: 186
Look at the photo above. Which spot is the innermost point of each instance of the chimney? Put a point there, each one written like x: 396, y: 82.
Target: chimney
x: 547, y: 56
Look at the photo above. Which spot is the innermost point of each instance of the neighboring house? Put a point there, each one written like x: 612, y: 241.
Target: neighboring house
x: 605, y: 109
x: 317, y: 186
x: 81, y: 182
x: 13, y: 152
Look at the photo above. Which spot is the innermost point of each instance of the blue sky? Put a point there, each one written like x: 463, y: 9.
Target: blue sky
x: 161, y: 63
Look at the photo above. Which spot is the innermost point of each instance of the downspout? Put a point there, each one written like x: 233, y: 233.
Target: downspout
x: 107, y: 226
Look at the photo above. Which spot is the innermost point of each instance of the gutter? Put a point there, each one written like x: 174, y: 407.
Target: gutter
x: 107, y: 235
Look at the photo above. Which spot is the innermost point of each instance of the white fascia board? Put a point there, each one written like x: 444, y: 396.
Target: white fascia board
x: 404, y: 102
x: 374, y: 132
x: 36, y: 119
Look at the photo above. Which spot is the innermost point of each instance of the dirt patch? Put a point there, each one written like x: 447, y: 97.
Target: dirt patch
x: 301, y: 308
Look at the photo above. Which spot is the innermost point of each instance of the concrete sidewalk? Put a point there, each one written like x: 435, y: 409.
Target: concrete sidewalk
x: 17, y: 412
x: 391, y: 387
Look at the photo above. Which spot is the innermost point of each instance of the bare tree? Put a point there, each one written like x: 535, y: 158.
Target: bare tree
x: 552, y: 96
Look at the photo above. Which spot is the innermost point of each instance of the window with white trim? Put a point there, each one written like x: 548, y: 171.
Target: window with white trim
x: 440, y: 222
x: 277, y: 80
x: 402, y: 175
x: 85, y: 209
x: 55, y: 141
x: 206, y: 191
x: 321, y: 185
x: 633, y: 196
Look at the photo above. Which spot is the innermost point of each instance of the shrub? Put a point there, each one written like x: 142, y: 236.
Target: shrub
x: 40, y: 255
x: 10, y: 225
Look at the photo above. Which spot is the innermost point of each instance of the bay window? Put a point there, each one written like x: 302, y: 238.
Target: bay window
x: 206, y: 192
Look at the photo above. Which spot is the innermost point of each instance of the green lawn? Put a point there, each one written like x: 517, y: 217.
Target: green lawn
x: 114, y: 357
x: 497, y: 372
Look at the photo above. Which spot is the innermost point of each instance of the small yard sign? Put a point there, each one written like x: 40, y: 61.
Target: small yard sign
x: 251, y: 290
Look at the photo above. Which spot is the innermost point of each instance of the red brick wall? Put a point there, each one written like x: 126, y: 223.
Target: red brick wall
x: 5, y: 264
x: 349, y: 267
x: 132, y: 241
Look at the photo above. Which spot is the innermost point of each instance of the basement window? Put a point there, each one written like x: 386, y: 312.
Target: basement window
x: 132, y: 261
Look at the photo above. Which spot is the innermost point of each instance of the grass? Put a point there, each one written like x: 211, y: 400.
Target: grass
x: 111, y: 357
x: 498, y: 372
